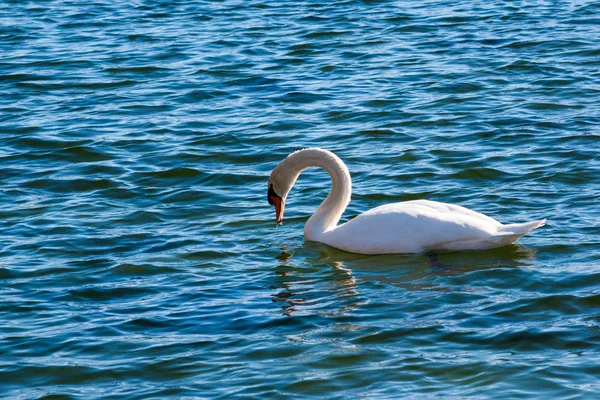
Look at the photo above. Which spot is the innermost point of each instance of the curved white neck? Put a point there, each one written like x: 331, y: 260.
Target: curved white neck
x: 331, y: 209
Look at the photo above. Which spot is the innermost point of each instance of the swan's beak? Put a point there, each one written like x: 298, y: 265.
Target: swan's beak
x: 279, y: 205
x: 276, y: 201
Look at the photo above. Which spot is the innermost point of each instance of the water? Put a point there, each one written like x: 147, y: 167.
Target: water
x: 139, y: 256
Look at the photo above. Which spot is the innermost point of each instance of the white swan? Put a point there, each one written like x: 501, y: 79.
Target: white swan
x: 406, y: 227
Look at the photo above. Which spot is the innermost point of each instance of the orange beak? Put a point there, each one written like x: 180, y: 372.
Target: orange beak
x: 279, y: 205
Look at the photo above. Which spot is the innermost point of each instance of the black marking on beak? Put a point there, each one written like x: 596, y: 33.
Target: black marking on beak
x: 272, y: 193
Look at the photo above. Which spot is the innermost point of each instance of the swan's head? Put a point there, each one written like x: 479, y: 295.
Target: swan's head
x: 281, y: 181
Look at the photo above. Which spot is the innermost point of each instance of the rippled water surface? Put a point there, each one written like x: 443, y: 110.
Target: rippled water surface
x: 139, y: 257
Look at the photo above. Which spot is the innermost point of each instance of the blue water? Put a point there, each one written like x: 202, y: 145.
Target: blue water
x: 139, y: 257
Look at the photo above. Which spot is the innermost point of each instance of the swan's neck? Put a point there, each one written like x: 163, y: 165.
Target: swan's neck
x: 331, y: 209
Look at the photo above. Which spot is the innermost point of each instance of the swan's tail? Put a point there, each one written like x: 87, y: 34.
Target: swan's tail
x: 521, y: 229
x: 511, y: 232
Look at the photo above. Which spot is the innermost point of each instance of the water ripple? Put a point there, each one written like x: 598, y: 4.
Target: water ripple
x: 139, y: 257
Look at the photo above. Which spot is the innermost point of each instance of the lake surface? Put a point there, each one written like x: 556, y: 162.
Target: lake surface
x: 140, y: 259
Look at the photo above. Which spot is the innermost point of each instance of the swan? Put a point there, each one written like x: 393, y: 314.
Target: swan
x: 415, y: 226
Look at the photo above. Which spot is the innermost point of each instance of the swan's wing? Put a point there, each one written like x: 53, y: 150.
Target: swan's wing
x: 449, y: 208
x: 410, y: 227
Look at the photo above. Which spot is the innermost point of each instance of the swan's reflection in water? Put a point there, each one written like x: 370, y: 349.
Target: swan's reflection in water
x: 319, y: 279
x: 326, y: 288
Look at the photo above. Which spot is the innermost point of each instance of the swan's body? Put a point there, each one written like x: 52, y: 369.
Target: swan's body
x: 407, y: 227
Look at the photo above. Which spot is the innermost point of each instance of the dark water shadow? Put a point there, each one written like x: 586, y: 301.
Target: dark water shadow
x: 319, y: 277
x: 436, y: 263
